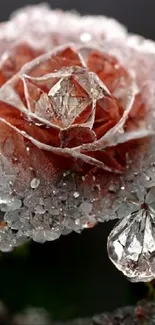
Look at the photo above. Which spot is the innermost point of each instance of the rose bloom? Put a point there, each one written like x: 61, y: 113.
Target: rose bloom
x: 75, y: 96
x: 64, y: 103
x: 76, y: 104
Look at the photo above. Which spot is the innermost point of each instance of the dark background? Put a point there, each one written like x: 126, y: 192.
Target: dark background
x: 137, y: 15
x: 73, y: 276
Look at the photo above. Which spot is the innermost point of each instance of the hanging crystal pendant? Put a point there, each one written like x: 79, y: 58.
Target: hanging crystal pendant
x: 131, y: 244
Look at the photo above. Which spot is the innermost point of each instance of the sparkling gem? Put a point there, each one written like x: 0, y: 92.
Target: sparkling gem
x: 131, y: 244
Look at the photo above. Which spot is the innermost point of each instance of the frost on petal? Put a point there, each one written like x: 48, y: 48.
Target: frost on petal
x: 14, y: 59
x: 41, y: 20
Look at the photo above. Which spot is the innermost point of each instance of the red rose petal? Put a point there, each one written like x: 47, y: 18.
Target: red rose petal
x: 102, y: 129
x: 54, y: 62
x: 137, y: 114
x: 83, y: 116
x: 75, y: 136
x: 41, y: 133
x: 108, y: 113
x: 111, y: 157
x: 108, y: 70
x: 15, y: 59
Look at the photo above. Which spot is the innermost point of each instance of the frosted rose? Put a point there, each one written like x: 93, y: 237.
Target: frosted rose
x: 79, y: 102
x: 63, y: 102
x: 57, y: 103
x: 76, y: 100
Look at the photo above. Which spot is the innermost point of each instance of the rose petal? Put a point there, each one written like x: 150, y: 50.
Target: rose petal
x: 113, y: 157
x: 75, y: 136
x: 41, y: 133
x: 52, y: 62
x: 15, y: 58
x: 108, y: 70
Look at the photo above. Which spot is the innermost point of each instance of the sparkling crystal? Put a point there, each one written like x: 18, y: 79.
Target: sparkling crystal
x: 131, y: 244
x: 76, y: 194
x: 86, y: 207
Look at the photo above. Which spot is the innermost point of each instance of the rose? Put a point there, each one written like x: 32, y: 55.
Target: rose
x: 88, y: 125
x: 61, y: 106
x: 79, y: 107
x: 36, y: 29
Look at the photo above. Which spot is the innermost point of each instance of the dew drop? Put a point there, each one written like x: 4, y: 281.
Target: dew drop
x: 76, y: 195
x: 35, y: 182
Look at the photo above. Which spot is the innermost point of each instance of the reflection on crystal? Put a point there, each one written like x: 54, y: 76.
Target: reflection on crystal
x: 68, y: 99
x: 131, y: 244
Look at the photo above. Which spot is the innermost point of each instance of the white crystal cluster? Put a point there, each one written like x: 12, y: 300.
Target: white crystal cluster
x: 131, y: 244
x: 41, y: 26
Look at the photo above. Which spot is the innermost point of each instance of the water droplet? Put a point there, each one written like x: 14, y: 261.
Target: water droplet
x: 54, y: 212
x: 39, y: 236
x: 85, y: 207
x: 35, y: 182
x: 40, y: 209
x: 66, y: 173
x: 76, y: 195
x: 112, y: 188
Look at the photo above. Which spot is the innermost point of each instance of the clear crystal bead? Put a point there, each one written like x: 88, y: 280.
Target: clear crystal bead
x: 131, y: 244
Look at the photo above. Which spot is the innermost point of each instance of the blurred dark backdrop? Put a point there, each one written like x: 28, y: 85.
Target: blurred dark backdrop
x: 137, y: 15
